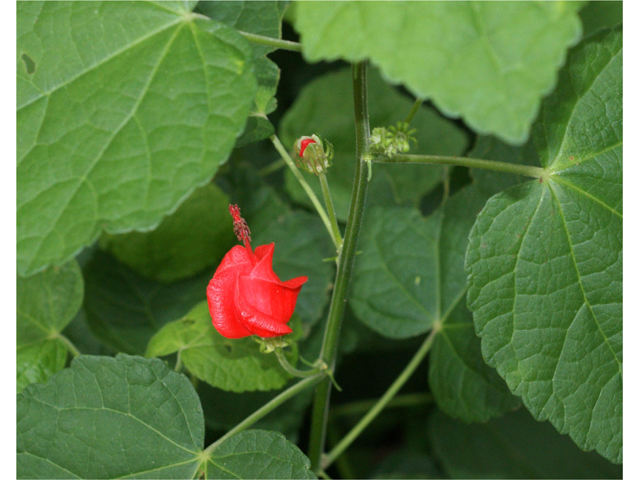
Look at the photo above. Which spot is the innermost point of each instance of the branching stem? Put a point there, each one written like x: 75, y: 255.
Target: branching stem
x: 505, y: 167
x: 348, y: 439
x: 330, y: 210
x: 272, y: 42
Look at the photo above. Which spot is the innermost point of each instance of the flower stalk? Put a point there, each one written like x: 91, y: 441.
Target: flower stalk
x: 312, y: 196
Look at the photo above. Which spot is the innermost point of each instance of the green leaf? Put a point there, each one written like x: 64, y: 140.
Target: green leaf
x: 37, y: 362
x: 125, y: 310
x: 302, y: 246
x: 110, y: 418
x: 46, y: 303
x: 545, y: 259
x: 513, y: 446
x: 488, y: 62
x: 120, y: 119
x: 325, y: 107
x: 131, y: 417
x: 258, y: 454
x: 260, y: 18
x: 597, y: 15
x: 229, y: 364
x: 409, y: 278
x: 196, y: 236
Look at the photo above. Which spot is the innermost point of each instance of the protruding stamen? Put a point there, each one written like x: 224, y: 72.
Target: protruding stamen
x: 241, y: 229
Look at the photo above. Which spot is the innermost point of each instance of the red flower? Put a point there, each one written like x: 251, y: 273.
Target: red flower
x: 245, y: 295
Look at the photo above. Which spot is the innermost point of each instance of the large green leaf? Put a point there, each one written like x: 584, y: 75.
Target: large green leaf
x: 325, y: 107
x: 302, y: 247
x: 545, y: 259
x: 123, y: 109
x: 46, y: 303
x: 131, y: 417
x: 489, y: 62
x: 410, y: 278
x: 196, y: 236
x: 513, y: 446
x: 260, y: 18
x: 125, y: 309
x: 234, y: 365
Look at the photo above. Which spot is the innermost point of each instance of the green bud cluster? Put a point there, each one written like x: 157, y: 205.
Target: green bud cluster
x: 391, y: 140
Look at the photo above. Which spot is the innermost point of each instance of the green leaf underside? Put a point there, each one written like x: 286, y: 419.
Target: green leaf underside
x: 234, y: 365
x: 196, y: 236
x: 301, y: 245
x: 131, y: 417
x: 411, y: 276
x: 325, y: 107
x: 46, y: 303
x: 489, y: 62
x: 260, y: 18
x: 258, y: 454
x: 545, y: 259
x: 97, y: 150
x: 512, y: 446
x: 125, y: 310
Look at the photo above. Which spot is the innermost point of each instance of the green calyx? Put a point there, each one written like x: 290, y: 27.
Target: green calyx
x: 313, y: 154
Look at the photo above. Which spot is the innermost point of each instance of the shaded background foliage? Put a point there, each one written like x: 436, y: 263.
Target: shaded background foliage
x: 129, y: 287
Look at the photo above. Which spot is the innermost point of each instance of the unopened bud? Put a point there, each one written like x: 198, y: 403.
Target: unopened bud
x: 313, y: 154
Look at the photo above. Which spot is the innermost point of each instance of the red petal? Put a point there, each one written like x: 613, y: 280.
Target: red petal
x: 275, y: 300
x: 221, y: 291
x: 264, y: 268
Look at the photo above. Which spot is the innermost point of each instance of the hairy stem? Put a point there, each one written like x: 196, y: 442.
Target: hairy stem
x: 348, y: 439
x: 272, y: 42
x: 414, y: 109
x: 312, y: 196
x: 505, y: 167
x: 330, y: 210
x: 274, y: 403
x: 345, y: 265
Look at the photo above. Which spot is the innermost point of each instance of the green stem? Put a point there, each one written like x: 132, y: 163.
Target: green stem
x: 291, y: 369
x: 345, y: 265
x: 330, y: 210
x: 414, y: 109
x: 178, y: 366
x: 312, y: 196
x: 505, y: 167
x: 323, y: 474
x: 362, y: 407
x: 348, y: 439
x: 272, y: 167
x: 272, y: 42
x: 70, y: 346
x: 268, y: 407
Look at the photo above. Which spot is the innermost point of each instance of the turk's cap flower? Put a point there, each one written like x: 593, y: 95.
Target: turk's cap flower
x: 245, y: 295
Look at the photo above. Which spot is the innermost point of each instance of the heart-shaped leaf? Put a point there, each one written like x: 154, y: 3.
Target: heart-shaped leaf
x: 545, y: 259
x: 119, y: 117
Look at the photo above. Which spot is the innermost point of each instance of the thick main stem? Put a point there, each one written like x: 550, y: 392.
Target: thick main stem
x: 345, y: 265
x: 505, y: 167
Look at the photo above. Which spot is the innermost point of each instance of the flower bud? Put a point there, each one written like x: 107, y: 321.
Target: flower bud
x: 313, y: 154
